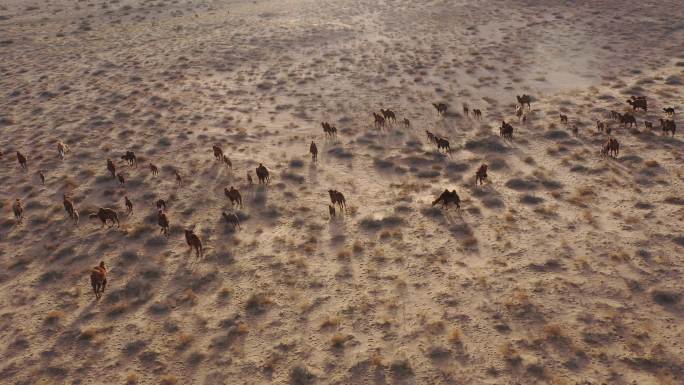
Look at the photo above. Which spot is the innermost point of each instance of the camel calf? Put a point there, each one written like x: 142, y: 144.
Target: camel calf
x: 163, y: 222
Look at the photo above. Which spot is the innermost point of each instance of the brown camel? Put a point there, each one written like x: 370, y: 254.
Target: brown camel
x: 389, y: 115
x: 18, y: 210
x: 477, y: 113
x: 379, y: 121
x: 68, y: 206
x: 106, y: 214
x: 407, y: 123
x: 194, y: 242
x: 62, y: 149
x: 41, y: 176
x: 130, y: 158
x: 121, y: 178
x: 23, y: 163
x: 161, y: 204
x: 563, y: 119
x: 638, y: 102
x: 129, y: 205
x: 466, y: 109
x: 163, y: 222
x: 668, y: 126
x: 628, y: 119
x: 111, y: 167
x: 232, y: 219
x: 523, y: 100
x: 337, y: 198
x: 506, y: 130
x: 600, y: 126
x: 262, y: 174
x: 441, y: 108
x: 611, y: 148
x: 98, y: 279
x: 154, y: 169
x: 669, y: 111
x: 481, y: 174
x: 218, y: 153
x: 448, y: 197
x: 314, y: 151
x: 234, y: 196
x: 443, y: 144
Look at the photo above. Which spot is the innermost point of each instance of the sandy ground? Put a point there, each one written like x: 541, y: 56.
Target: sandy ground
x: 564, y: 268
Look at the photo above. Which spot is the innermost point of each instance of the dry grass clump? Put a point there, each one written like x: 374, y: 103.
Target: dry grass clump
x: 435, y: 327
x: 589, y: 217
x: 455, y: 336
x: 553, y: 331
x: 343, y: 255
x: 651, y: 163
x: 258, y: 303
x: 168, y: 380
x: 338, y: 340
x: 131, y: 379
x: 54, y: 316
x: 184, y: 340
x: 510, y: 354
x: 329, y: 323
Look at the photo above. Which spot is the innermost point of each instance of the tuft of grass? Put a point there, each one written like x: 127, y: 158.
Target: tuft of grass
x: 338, y: 340
x: 131, y: 379
x: 455, y: 337
x: 553, y: 331
x: 168, y: 380
x: 54, y: 316
x: 651, y: 163
x: 258, y: 303
x: 376, y: 360
x: 184, y: 340
x: 329, y: 323
x: 343, y: 255
x: 435, y: 327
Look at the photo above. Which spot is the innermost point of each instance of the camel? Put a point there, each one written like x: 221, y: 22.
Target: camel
x: 23, y: 163
x: 234, y: 196
x: 379, y: 121
x: 443, y: 144
x: 638, y: 103
x: 563, y: 119
x: 477, y: 113
x: 648, y: 124
x: 18, y: 210
x: 337, y: 198
x: 668, y: 125
x: 179, y: 179
x: 121, y: 178
x: 669, y: 111
x: 441, y: 108
x: 106, y: 214
x: 431, y: 137
x: 154, y: 169
x: 506, y: 130
x: 628, y: 119
x: 329, y: 130
x: 68, y: 206
x: 481, y: 174
x: 614, y: 115
x: 519, y: 112
x: 233, y: 219
x: 262, y: 174
x: 98, y: 279
x: 129, y: 205
x: 389, y: 115
x: 111, y: 167
x: 194, y: 242
x: 218, y: 153
x: 161, y: 204
x: 407, y: 123
x: 227, y: 162
x: 466, y: 109
x: 314, y: 151
x: 611, y: 148
x: 524, y: 99
x: 600, y: 126
x: 448, y: 197
x: 62, y: 149
x: 249, y: 178
x: 130, y: 158
x: 41, y: 176
x: 163, y: 222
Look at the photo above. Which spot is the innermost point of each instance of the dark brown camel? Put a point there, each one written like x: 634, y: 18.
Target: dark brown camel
x: 18, y: 210
x: 262, y: 174
x: 314, y: 151
x: 669, y: 111
x: 130, y: 157
x: 477, y: 113
x: 129, y: 205
x: 232, y: 219
x: 600, y: 126
x: 448, y: 197
x: 443, y: 144
x: 111, y: 167
x: 234, y: 196
x: 506, y: 130
x: 466, y: 109
x: 218, y: 153
x: 106, y: 214
x: 161, y: 204
x: 611, y: 148
x: 163, y: 222
x: 481, y: 175
x: 379, y: 121
x: 194, y: 242
x: 441, y: 108
x: 628, y: 119
x: 563, y: 119
x: 337, y: 198
x: 23, y: 163
x: 668, y: 126
x: 523, y: 100
x: 154, y: 169
x: 389, y: 115
x: 638, y: 103
x: 407, y: 123
x: 431, y: 137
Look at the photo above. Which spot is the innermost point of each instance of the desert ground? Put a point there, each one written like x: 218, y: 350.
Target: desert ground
x: 565, y: 267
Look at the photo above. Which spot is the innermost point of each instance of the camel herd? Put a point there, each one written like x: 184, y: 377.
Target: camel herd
x: 98, y: 275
